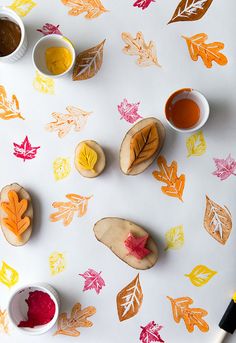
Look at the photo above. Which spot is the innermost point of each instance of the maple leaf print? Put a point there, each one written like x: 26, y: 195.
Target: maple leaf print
x: 136, y: 246
x: 150, y: 333
x: 93, y: 280
x: 142, y: 3
x: 25, y: 150
x: 49, y: 29
x: 129, y: 111
x: 225, y: 167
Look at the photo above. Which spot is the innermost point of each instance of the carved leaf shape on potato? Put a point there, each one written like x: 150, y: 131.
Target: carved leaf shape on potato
x: 94, y: 8
x: 8, y: 275
x: 175, y: 238
x: 208, y: 52
x: 129, y: 299
x: 143, y: 145
x: 190, y: 10
x: 3, y: 322
x: 15, y: 221
x: 174, y: 184
x: 137, y: 46
x: 9, y: 109
x: 201, y: 275
x: 217, y: 221
x: 191, y: 316
x: 87, y: 158
x: 88, y: 62
x: 196, y: 144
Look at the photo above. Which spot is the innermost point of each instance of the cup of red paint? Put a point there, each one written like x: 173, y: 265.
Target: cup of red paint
x: 34, y: 309
x: 187, y: 110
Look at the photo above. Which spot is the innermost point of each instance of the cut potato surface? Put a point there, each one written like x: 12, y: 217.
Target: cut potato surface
x: 113, y: 232
x: 22, y: 194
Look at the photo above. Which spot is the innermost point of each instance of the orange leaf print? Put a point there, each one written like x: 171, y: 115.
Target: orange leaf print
x: 15, y: 210
x: 3, y: 322
x: 191, y: 316
x: 9, y: 109
x: 208, y: 52
x: 66, y: 210
x: 174, y: 184
x: 94, y: 8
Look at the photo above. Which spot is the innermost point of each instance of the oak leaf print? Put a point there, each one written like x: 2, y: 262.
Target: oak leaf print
x: 3, y: 322
x: 9, y: 108
x: 129, y: 299
x: 25, y: 150
x: 8, y: 275
x: 174, y: 184
x: 201, y: 275
x: 196, y: 144
x: 63, y: 123
x: 175, y: 238
x: 79, y: 318
x: 94, y: 8
x: 150, y: 333
x: 208, y: 52
x: 49, y: 29
x: 43, y: 84
x: 22, y: 7
x: 129, y: 111
x: 217, y: 221
x: 190, y: 10
x: 224, y: 167
x: 66, y: 210
x: 57, y: 262
x: 190, y: 315
x: 93, y: 280
x: 137, y: 46
x: 143, y: 4
x: 61, y: 168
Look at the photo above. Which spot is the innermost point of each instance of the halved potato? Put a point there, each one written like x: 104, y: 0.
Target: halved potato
x: 22, y: 194
x: 113, y: 232
x: 101, y: 159
x: 125, y: 146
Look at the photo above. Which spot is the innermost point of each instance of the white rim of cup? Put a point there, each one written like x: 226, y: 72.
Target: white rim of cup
x: 14, y: 15
x: 67, y: 40
x: 206, y: 106
x: 33, y: 331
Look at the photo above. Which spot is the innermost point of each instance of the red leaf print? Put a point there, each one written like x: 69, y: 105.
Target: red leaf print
x: 150, y: 333
x: 143, y: 3
x: 93, y: 280
x: 225, y: 167
x: 49, y: 29
x: 128, y: 111
x: 136, y: 246
x: 25, y: 150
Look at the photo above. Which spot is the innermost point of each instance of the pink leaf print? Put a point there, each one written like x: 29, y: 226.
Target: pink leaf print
x: 225, y: 167
x: 25, y: 150
x: 49, y: 29
x: 93, y: 280
x: 150, y: 333
x: 143, y: 3
x: 128, y: 111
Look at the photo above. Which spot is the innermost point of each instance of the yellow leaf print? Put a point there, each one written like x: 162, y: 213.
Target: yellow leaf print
x: 61, y: 168
x: 87, y: 157
x: 196, y: 144
x: 8, y: 275
x: 3, y: 321
x: 22, y: 7
x: 200, y: 275
x: 175, y: 238
x: 43, y: 84
x: 56, y: 262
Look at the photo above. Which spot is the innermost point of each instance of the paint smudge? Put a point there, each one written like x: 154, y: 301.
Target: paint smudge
x: 49, y: 29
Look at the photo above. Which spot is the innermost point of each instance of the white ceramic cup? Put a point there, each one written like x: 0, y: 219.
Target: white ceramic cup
x: 22, y: 47
x: 198, y: 98
x: 18, y: 308
x: 42, y: 45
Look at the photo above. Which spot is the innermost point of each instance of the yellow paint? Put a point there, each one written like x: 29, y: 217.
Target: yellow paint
x: 22, y: 7
x: 61, y: 168
x: 8, y: 275
x: 58, y: 59
x: 43, y: 84
x: 200, y: 275
x: 196, y: 144
x: 87, y: 157
x: 3, y: 322
x: 175, y: 238
x: 57, y: 262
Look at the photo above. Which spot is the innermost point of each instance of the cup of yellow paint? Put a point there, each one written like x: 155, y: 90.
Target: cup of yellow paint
x: 53, y: 55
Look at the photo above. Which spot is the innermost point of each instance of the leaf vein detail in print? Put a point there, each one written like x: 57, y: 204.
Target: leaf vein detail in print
x: 190, y: 10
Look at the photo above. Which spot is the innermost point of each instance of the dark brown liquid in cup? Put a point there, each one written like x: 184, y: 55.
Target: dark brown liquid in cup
x: 10, y: 36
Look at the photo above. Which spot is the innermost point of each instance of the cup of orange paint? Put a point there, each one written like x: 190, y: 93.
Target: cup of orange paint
x: 187, y: 110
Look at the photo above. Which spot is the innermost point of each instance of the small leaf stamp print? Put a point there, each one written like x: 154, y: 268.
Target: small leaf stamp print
x: 208, y: 52
x: 190, y: 10
x: 128, y: 111
x: 25, y: 150
x: 191, y: 316
x: 78, y: 318
x: 129, y: 300
x: 143, y: 4
x: 49, y: 29
x: 61, y: 168
x: 8, y: 275
x: 175, y: 238
x: 93, y: 280
x: 57, y: 262
x: 217, y: 221
x: 137, y: 46
x: 151, y: 333
x: 174, y: 184
x: 224, y: 167
x: 22, y: 7
x: 63, y: 123
x: 4, y: 322
x: 201, y: 275
x: 66, y: 210
x: 196, y: 144
x: 9, y: 108
x: 94, y: 8
x: 43, y: 84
